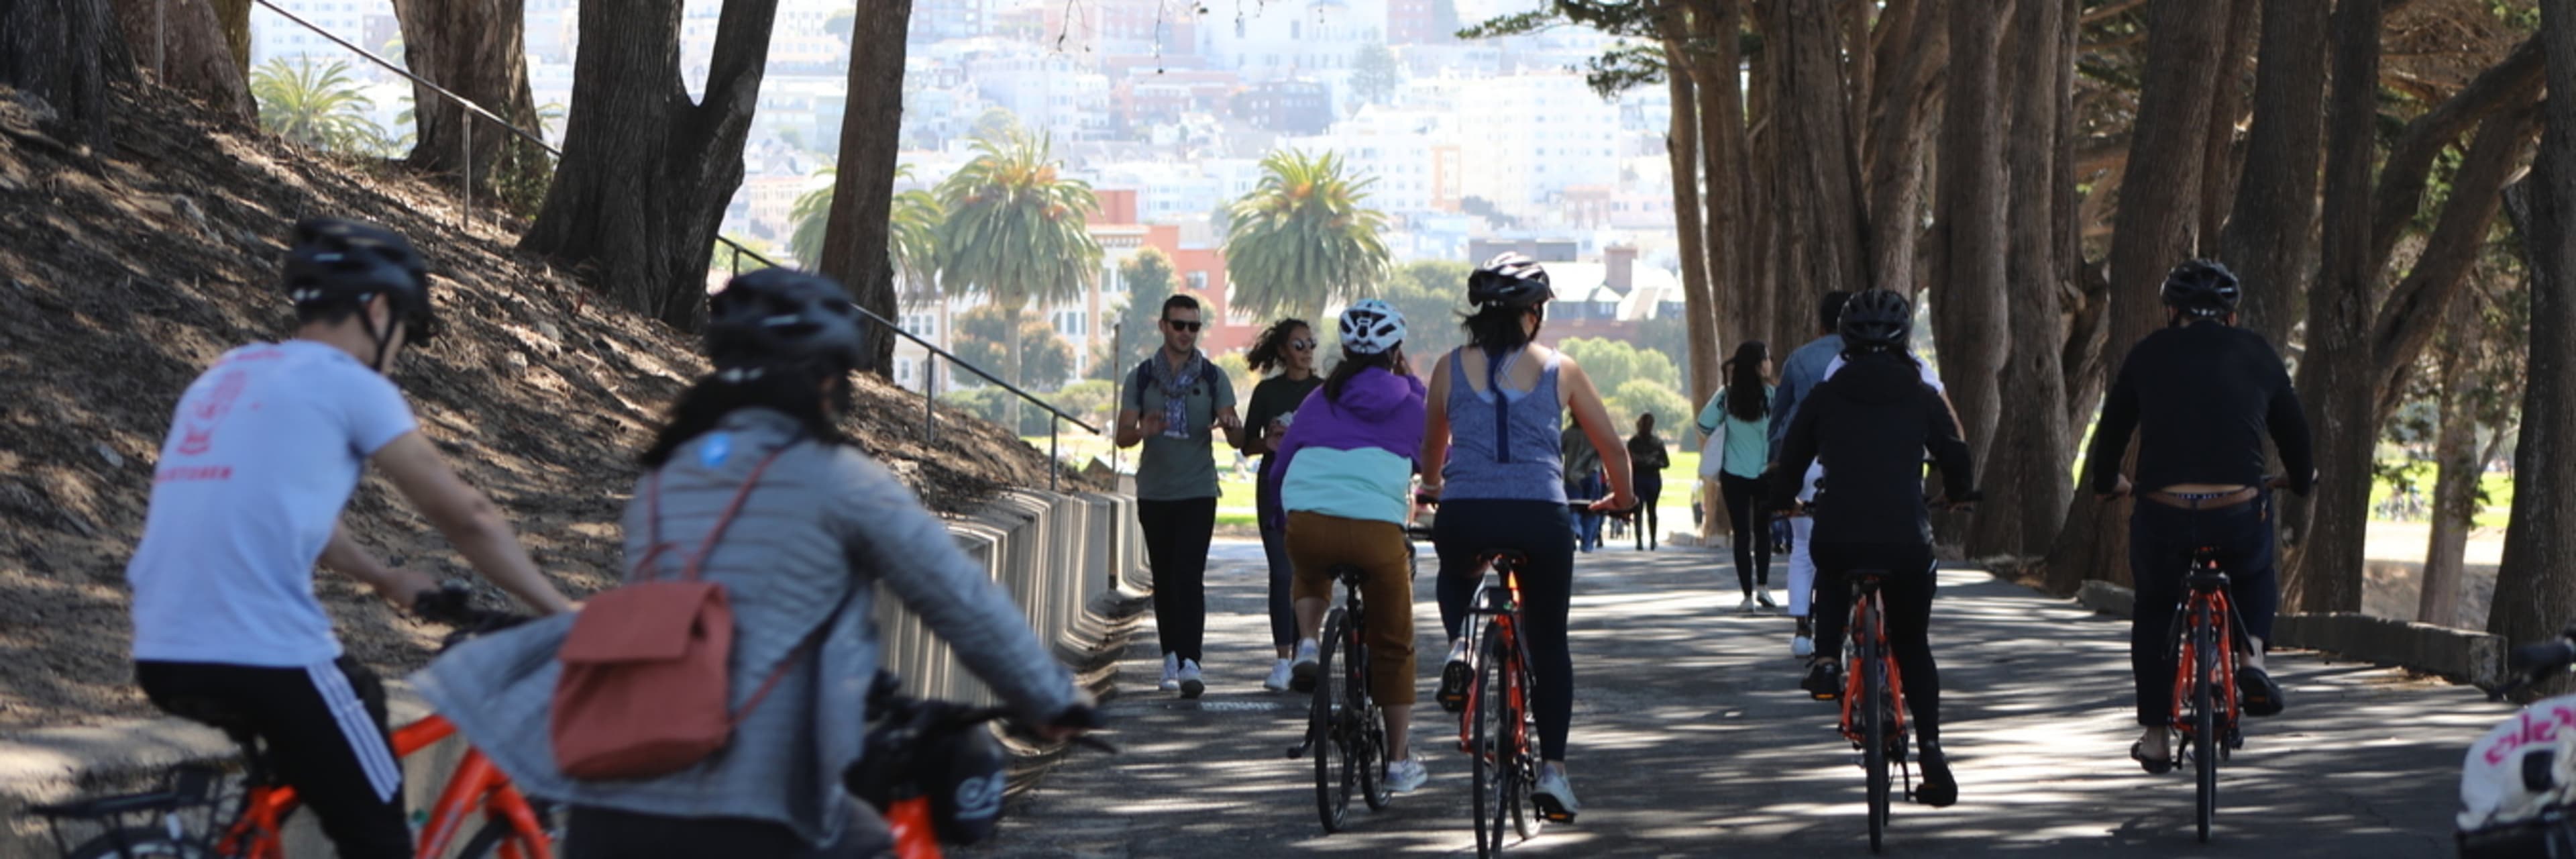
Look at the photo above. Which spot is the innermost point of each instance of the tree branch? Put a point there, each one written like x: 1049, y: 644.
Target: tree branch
x: 2414, y: 309
x: 2108, y: 12
x: 2507, y: 86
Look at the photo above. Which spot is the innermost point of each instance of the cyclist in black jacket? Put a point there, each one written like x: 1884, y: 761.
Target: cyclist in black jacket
x: 1871, y: 423
x: 2200, y: 395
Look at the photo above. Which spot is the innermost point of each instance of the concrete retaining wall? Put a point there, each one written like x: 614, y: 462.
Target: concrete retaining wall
x: 2463, y: 656
x: 1056, y: 554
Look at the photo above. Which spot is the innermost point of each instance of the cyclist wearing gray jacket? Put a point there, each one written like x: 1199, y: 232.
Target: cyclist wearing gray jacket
x: 821, y: 527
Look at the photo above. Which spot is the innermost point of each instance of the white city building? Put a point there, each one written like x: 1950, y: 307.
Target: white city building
x: 1287, y: 39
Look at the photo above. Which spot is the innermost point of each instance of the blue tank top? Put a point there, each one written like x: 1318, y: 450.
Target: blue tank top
x: 1503, y: 443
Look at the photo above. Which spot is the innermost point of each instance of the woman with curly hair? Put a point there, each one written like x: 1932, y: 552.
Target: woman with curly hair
x: 1288, y: 346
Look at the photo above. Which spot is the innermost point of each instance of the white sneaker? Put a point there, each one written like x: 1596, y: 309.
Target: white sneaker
x: 1555, y: 796
x: 1802, y: 646
x: 1278, y: 681
x: 1405, y: 775
x: 1171, y: 673
x: 1191, y: 684
x: 1303, y: 669
x: 1763, y: 596
x: 1746, y: 606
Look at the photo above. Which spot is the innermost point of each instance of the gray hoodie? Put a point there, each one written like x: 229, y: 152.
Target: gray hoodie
x: 826, y: 526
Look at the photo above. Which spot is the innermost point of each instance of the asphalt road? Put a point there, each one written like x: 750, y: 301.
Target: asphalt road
x: 1691, y: 739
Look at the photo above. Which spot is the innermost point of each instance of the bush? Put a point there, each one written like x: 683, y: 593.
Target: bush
x: 1672, y: 411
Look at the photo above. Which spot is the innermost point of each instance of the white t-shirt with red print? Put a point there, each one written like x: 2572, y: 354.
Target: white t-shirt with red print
x: 263, y: 452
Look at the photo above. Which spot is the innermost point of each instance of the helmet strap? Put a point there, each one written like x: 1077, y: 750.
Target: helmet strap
x: 384, y: 338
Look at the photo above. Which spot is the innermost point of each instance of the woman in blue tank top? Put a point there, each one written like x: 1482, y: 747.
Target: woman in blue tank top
x: 1500, y: 402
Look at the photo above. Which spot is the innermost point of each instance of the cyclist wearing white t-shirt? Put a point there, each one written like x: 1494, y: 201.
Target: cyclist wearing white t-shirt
x: 264, y: 450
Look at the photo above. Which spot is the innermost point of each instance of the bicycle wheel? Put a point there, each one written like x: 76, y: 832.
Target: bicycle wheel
x: 1335, y: 773
x: 488, y: 840
x: 1526, y: 818
x: 1367, y: 724
x: 1485, y: 744
x: 137, y: 842
x: 2204, y: 720
x: 1873, y: 714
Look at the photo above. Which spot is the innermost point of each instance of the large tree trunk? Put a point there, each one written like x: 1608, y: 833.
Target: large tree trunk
x: 1821, y: 222
x: 2536, y: 583
x: 2269, y: 239
x: 2027, y: 482
x: 2219, y: 172
x: 1971, y: 321
x: 1900, y: 127
x: 185, y: 43
x: 233, y: 16
x: 2158, y: 221
x: 647, y: 173
x: 2335, y: 379
x: 856, y: 232
x: 2415, y: 308
x: 476, y: 49
x: 65, y: 52
x: 1741, y: 299
x: 2455, y: 488
x: 1682, y: 149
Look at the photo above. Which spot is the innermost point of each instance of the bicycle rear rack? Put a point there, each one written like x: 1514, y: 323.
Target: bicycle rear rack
x: 185, y: 807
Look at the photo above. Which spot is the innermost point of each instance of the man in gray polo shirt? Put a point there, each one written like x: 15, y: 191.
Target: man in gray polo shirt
x: 1175, y: 402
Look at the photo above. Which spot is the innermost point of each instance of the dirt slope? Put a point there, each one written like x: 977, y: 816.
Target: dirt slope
x: 124, y: 274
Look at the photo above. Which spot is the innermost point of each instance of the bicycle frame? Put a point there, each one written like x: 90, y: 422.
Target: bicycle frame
x: 1869, y: 617
x: 1506, y: 623
x: 2222, y: 612
x: 909, y: 820
x: 475, y: 786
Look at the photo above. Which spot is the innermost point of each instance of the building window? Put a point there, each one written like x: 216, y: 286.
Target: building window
x: 1198, y: 281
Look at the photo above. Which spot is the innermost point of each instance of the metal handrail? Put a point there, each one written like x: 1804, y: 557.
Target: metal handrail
x: 929, y: 391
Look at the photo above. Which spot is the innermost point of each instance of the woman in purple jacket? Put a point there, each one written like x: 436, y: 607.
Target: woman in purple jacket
x: 1345, y: 471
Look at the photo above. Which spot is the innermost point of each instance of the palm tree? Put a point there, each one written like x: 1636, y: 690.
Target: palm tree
x: 1301, y: 240
x: 912, y: 243
x: 320, y: 106
x: 1015, y: 232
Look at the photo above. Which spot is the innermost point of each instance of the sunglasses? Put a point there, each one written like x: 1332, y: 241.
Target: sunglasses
x: 1307, y: 345
x: 1178, y: 325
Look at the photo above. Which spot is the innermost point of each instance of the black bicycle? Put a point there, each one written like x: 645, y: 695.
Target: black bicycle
x: 1345, y: 729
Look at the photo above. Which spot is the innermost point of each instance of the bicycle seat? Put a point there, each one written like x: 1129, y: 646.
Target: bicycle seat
x: 1347, y: 574
x: 1866, y: 581
x: 2205, y: 573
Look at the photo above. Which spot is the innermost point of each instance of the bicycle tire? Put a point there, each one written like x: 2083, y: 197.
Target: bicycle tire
x: 1334, y: 772
x: 2206, y: 741
x: 139, y: 842
x: 487, y: 841
x: 1873, y: 714
x: 1485, y: 740
x: 1526, y: 819
x: 1368, y: 728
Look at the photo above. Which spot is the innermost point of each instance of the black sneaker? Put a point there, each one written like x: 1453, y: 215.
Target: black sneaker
x: 1939, y: 789
x: 2257, y: 693
x: 1824, y: 680
x: 1453, y: 682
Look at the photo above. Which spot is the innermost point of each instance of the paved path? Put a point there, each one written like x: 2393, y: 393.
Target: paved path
x: 1690, y: 739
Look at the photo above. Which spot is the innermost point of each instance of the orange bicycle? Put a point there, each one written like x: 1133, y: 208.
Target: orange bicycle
x: 2205, y: 709
x: 252, y: 824
x: 1874, y: 698
x: 933, y: 771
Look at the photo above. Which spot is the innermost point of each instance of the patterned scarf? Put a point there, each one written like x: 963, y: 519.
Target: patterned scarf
x: 1176, y: 388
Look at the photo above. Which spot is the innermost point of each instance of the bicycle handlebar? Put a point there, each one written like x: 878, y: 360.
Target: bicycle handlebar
x: 452, y: 605
x: 2531, y: 663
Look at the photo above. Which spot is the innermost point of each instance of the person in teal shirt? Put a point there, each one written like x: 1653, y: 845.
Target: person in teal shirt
x: 1741, y: 415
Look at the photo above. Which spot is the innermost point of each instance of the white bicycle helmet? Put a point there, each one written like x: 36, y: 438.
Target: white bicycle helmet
x: 1371, y: 327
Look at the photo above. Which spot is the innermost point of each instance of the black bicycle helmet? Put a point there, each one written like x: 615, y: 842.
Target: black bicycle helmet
x: 2203, y: 288
x: 782, y: 317
x: 1877, y: 319
x: 336, y: 262
x: 1510, y: 280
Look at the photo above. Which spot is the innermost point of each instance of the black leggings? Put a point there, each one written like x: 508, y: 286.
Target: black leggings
x: 323, y: 728
x: 606, y: 833
x: 1907, y: 594
x: 1746, y: 519
x: 1176, y: 546
x: 1541, y: 531
x: 1650, y: 485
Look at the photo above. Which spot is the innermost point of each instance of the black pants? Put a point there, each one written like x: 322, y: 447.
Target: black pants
x: 2161, y: 543
x: 1650, y: 484
x: 323, y: 729
x: 1542, y: 531
x: 1907, y: 594
x: 605, y: 833
x: 1176, y: 546
x: 1750, y: 524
